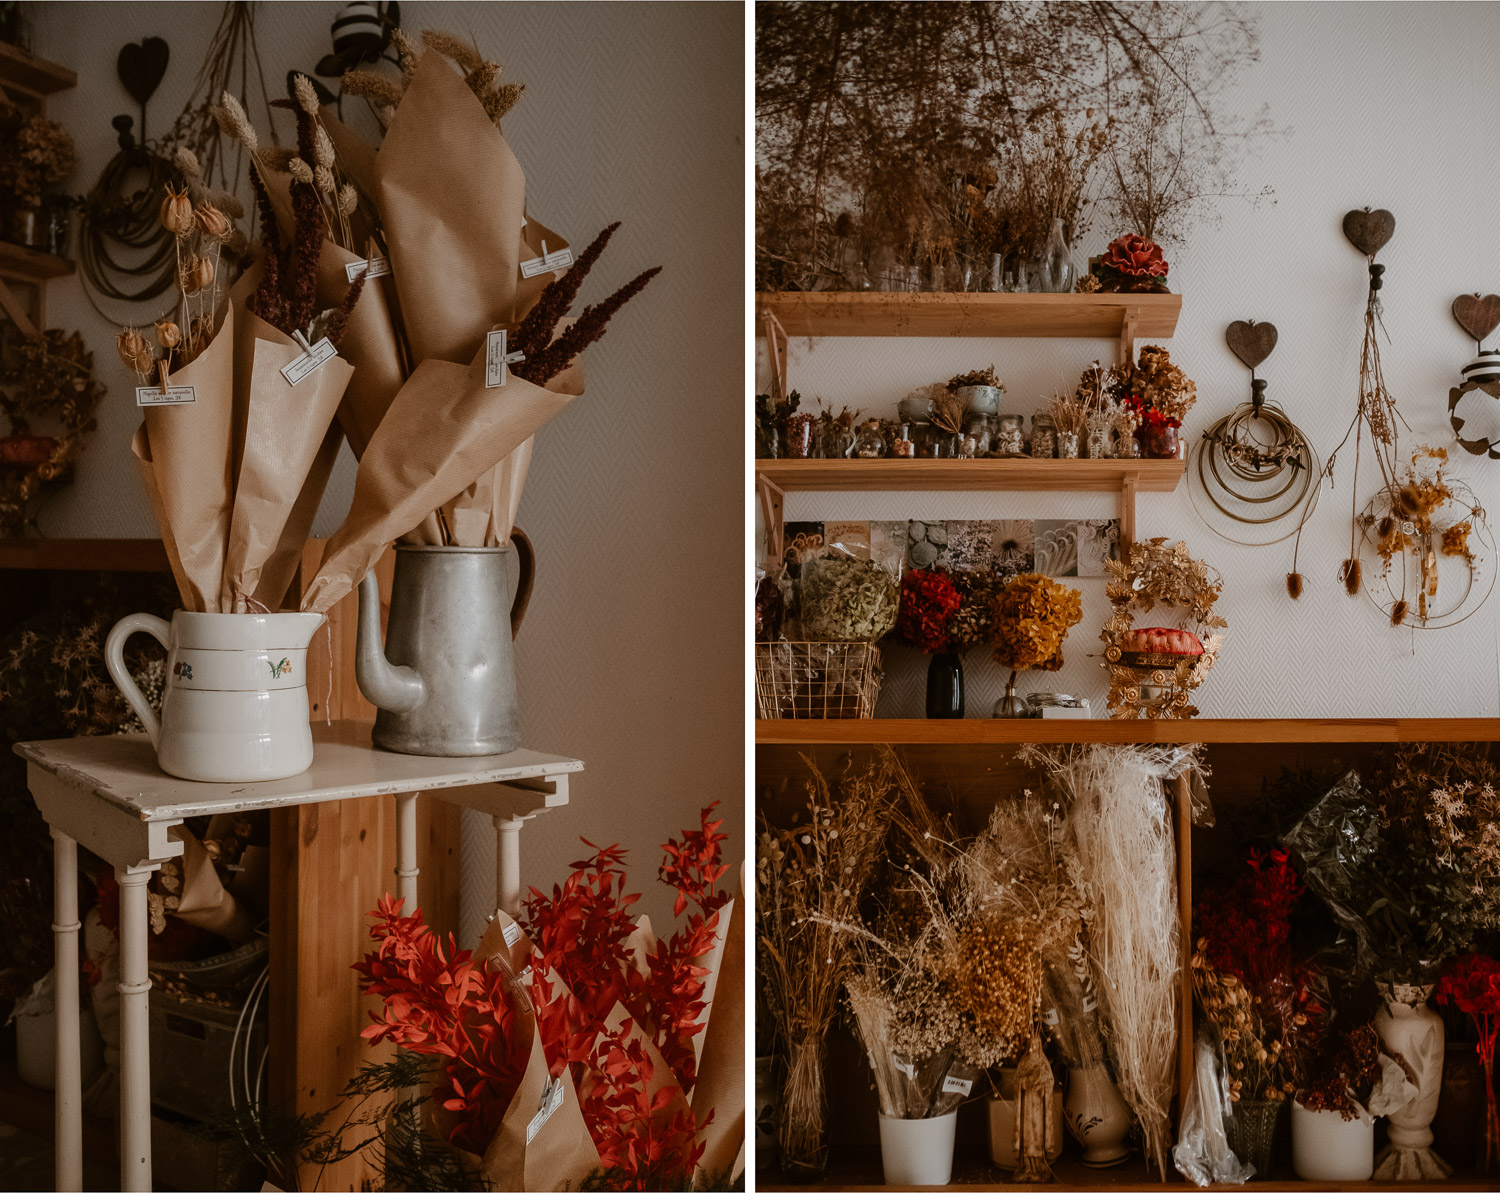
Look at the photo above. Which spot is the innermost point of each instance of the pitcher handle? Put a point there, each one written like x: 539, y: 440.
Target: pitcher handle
x: 527, y: 558
x: 114, y: 659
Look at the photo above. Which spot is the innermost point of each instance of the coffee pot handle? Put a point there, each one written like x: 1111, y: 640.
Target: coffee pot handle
x: 114, y: 659
x: 527, y: 559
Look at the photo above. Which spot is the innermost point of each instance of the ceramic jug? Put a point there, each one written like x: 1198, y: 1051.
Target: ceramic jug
x: 234, y: 708
x: 444, y: 682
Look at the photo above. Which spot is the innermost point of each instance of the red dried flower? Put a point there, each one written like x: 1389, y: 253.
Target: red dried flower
x: 929, y: 600
x: 1135, y: 257
x: 1471, y: 982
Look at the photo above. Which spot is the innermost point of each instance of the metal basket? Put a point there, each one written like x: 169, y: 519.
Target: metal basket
x: 816, y: 680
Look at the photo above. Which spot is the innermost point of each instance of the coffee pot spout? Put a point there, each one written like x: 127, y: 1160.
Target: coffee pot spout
x: 395, y: 689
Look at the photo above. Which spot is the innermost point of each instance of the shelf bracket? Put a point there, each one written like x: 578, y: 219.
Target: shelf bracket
x: 772, y: 504
x: 1127, y: 511
x: 1128, y: 324
x: 11, y: 305
x: 776, y: 345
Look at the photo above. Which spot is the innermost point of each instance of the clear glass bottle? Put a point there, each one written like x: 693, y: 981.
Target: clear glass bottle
x: 904, y: 446
x: 1043, y: 437
x: 978, y: 428
x: 1010, y: 436
x: 869, y: 443
x: 996, y: 281
x: 1057, y: 269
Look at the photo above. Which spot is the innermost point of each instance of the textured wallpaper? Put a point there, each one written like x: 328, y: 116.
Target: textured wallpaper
x: 1386, y: 105
x: 634, y: 113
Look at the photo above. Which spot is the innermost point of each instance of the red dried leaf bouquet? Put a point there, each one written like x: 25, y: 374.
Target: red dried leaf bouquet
x: 1471, y: 982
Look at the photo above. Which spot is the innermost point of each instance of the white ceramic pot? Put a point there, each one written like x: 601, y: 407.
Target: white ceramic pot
x: 1328, y: 1147
x: 1097, y: 1116
x: 1002, y: 1116
x: 36, y: 1048
x: 235, y: 708
x: 1410, y: 1028
x: 980, y: 399
x: 917, y: 1151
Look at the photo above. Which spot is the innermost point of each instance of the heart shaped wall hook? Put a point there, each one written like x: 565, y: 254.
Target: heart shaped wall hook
x: 1368, y: 231
x: 1252, y: 342
x: 1477, y: 316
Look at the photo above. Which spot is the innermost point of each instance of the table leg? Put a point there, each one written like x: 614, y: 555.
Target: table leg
x: 508, y: 864
x: 406, y: 850
x: 135, y: 1033
x: 68, y: 1084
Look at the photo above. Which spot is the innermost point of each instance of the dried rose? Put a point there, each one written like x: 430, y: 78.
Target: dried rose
x: 177, y: 212
x: 1135, y: 256
x: 212, y: 222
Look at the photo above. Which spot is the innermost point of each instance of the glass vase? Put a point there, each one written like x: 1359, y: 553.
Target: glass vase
x: 797, y: 442
x: 1067, y: 445
x: 1250, y: 1132
x: 945, y: 686
x: 802, y: 1127
x: 1158, y: 441
x: 1058, y: 273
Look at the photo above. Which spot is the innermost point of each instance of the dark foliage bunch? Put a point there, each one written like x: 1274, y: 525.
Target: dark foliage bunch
x: 547, y: 357
x: 287, y: 297
x: 1347, y: 1073
x: 936, y: 127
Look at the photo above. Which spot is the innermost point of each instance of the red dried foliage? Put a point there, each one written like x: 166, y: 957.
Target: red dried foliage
x: 1471, y: 982
x: 535, y: 332
x: 557, y: 356
x: 338, y: 322
x: 1248, y: 926
x: 268, y: 295
x: 1349, y: 1073
x: 929, y: 600
x: 442, y: 1003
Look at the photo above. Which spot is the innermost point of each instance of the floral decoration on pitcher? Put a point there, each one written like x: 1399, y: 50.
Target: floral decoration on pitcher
x: 279, y: 669
x: 184, y: 671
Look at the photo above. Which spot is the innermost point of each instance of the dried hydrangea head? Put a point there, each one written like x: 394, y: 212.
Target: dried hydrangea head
x: 1033, y: 615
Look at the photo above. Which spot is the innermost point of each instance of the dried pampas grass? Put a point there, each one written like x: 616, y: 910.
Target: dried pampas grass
x: 1123, y: 836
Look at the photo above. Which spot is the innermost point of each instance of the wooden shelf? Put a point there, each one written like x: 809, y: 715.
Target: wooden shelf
x: 84, y: 555
x: 1014, y: 475
x: 18, y: 261
x: 33, y: 74
x: 977, y: 731
x: 1078, y: 316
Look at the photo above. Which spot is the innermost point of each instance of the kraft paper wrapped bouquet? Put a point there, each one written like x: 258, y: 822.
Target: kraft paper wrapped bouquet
x: 239, y: 434
x: 476, y: 305
x: 581, y: 1048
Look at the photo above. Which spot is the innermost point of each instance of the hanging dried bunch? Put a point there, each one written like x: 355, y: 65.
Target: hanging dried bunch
x: 947, y: 411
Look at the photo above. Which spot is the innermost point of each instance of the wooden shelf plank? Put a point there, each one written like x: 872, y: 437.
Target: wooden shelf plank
x: 18, y: 261
x: 1018, y: 474
x: 1078, y: 316
x: 84, y: 555
x: 33, y: 74
x: 989, y: 732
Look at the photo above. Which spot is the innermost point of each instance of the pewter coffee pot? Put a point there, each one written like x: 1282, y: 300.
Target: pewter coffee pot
x: 445, y: 683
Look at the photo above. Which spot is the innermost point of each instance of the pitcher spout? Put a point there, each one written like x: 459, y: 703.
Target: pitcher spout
x: 395, y: 689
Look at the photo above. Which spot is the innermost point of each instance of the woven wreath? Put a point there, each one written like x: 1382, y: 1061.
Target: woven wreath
x: 1152, y: 574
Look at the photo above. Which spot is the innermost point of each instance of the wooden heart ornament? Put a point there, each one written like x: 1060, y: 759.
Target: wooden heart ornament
x: 1477, y: 316
x: 141, y: 67
x: 1252, y: 342
x: 1369, y: 230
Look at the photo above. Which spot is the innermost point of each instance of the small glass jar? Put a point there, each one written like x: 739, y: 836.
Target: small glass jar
x: 1010, y: 436
x: 869, y: 443
x: 1159, y: 441
x: 1127, y: 445
x: 904, y: 446
x: 798, y: 440
x: 1067, y: 445
x: 1043, y: 437
x: 838, y: 440
x: 978, y: 428
x: 1098, y: 444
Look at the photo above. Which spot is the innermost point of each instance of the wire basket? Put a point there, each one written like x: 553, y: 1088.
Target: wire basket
x: 816, y: 680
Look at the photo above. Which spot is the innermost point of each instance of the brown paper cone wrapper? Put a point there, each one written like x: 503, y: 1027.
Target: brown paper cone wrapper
x: 442, y: 432
x: 284, y: 431
x: 452, y: 197
x: 188, y: 452
x: 204, y: 902
x: 369, y: 344
x: 276, y: 577
x: 721, y: 1056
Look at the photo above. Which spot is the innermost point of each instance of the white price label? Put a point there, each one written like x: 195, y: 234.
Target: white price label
x: 552, y: 1098
x: 511, y: 932
x: 378, y: 267
x: 173, y: 395
x: 497, y: 359
x: 309, y: 362
x: 547, y: 262
x: 905, y: 1067
x: 957, y: 1085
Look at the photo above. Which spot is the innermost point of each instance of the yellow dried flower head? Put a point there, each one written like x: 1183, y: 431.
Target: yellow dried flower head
x: 1033, y: 615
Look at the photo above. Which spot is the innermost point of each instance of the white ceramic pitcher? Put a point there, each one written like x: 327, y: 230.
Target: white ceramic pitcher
x: 235, y: 708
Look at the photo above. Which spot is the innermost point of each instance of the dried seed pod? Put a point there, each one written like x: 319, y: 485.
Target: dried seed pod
x: 1398, y: 613
x: 1294, y: 584
x: 177, y: 212
x: 168, y: 334
x: 197, y: 274
x: 1352, y: 573
x: 134, y: 350
x: 212, y: 222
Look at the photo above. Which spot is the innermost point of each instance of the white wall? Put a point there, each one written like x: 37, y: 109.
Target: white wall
x: 1387, y: 105
x: 630, y: 656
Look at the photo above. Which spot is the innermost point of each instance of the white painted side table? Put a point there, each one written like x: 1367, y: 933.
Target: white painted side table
x: 108, y: 794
